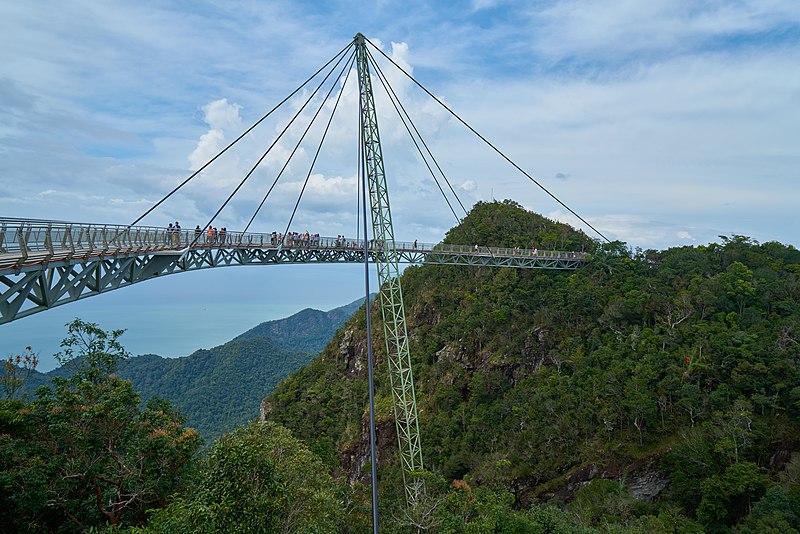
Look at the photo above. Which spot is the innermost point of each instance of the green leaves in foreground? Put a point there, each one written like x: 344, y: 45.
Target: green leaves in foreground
x: 258, y: 478
x: 85, y: 453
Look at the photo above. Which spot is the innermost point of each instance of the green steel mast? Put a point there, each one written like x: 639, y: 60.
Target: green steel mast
x: 391, y: 294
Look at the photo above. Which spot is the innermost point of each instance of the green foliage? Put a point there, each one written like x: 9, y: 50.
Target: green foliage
x: 677, y: 367
x: 506, y: 224
x: 773, y: 514
x: 666, y: 522
x: 728, y: 497
x: 17, y: 368
x: 258, y: 478
x: 459, y: 508
x: 84, y: 453
x: 220, y: 388
x: 306, y: 331
x: 602, y: 500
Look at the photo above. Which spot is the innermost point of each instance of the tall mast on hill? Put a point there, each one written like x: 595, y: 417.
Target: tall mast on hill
x: 391, y: 294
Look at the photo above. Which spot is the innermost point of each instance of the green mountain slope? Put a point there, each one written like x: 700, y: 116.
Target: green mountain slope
x: 306, y: 331
x: 675, y: 374
x: 219, y: 389
x: 216, y: 389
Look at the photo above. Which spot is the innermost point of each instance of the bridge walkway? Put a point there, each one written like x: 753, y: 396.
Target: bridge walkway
x: 48, y: 263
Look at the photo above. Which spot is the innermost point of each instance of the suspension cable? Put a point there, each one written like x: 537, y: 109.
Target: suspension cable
x: 362, y: 182
x: 247, y: 131
x: 316, y: 155
x: 358, y: 178
x: 392, y: 97
x: 348, y: 64
x: 271, y: 146
x: 482, y: 138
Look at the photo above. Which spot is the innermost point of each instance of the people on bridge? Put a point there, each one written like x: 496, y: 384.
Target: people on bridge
x: 197, y: 232
x: 176, y: 234
x: 210, y: 235
x: 415, y: 244
x: 222, y: 233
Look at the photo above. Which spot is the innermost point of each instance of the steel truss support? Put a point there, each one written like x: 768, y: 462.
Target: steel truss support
x: 28, y: 289
x: 391, y: 294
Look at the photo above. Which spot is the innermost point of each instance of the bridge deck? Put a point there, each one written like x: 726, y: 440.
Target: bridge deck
x: 47, y: 263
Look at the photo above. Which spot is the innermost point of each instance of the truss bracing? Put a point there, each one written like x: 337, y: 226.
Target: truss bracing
x: 398, y: 353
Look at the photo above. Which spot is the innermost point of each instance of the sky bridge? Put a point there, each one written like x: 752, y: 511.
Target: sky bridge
x: 48, y: 263
x: 44, y: 263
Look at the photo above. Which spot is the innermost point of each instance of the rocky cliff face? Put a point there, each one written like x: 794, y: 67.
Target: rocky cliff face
x: 353, y: 354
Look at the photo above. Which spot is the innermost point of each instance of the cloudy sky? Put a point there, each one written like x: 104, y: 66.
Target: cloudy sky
x: 662, y: 123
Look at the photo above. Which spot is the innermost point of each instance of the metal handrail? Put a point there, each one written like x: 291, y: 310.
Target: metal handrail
x: 26, y: 238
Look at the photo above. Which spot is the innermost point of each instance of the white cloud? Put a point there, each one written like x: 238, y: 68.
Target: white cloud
x: 208, y: 146
x: 478, y: 5
x: 609, y: 28
x: 222, y: 116
x: 469, y: 186
x: 336, y: 187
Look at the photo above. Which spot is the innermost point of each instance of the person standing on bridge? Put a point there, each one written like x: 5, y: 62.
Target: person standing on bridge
x: 197, y: 232
x: 176, y: 234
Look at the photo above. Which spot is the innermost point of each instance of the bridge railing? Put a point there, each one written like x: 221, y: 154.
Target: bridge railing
x: 27, y: 241
x: 37, y: 239
x: 500, y: 251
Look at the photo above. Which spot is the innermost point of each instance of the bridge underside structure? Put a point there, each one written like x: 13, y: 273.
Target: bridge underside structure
x: 44, y: 264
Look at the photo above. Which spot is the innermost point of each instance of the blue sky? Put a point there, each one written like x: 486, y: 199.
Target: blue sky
x: 662, y: 123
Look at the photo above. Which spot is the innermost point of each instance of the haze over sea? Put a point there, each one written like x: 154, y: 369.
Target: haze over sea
x: 176, y: 315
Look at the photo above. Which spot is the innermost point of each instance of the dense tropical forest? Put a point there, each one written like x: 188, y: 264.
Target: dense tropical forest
x: 651, y: 391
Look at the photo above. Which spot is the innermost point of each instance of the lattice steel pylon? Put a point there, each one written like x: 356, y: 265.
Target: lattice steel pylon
x: 398, y: 353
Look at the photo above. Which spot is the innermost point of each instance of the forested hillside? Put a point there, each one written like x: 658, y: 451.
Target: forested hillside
x: 215, y: 388
x: 651, y: 391
x: 307, y: 330
x: 220, y: 388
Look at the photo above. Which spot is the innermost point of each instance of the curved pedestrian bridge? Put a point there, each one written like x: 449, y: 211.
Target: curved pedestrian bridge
x: 48, y: 263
